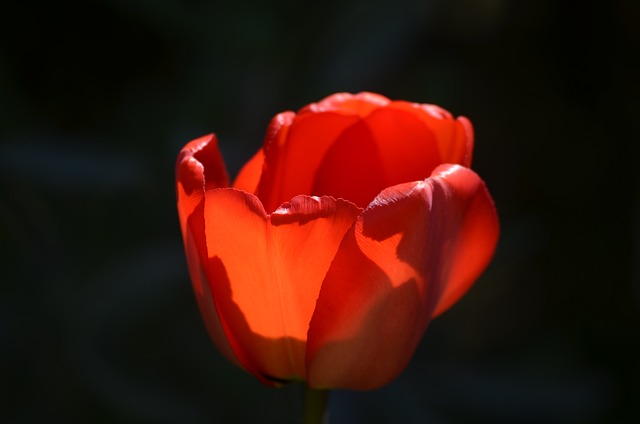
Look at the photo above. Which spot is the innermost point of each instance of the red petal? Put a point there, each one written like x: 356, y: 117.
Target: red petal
x: 198, y: 159
x: 454, y: 137
x: 265, y: 273
x: 292, y: 158
x: 477, y: 227
x: 413, y: 252
x: 199, y: 167
x: 388, y: 147
x: 195, y: 248
x: 360, y: 104
x: 249, y: 176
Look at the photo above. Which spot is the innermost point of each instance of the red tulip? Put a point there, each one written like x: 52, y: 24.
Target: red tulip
x: 355, y: 224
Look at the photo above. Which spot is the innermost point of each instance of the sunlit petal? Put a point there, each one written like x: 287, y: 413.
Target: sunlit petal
x: 249, y: 176
x: 412, y: 253
x: 190, y: 186
x: 265, y: 273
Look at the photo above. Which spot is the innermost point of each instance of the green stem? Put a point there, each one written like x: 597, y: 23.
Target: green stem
x: 315, y: 406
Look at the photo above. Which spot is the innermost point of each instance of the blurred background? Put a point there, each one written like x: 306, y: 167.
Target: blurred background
x: 97, y: 319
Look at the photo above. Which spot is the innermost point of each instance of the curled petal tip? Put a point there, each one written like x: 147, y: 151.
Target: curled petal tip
x: 201, y: 159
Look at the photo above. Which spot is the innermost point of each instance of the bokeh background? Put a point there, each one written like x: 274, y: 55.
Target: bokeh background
x: 98, y: 323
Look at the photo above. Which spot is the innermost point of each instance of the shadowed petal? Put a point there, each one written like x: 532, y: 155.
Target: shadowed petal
x: 454, y: 137
x: 413, y: 252
x: 195, y: 249
x: 198, y: 161
x: 265, y: 273
x: 389, y: 146
x: 352, y: 167
x: 407, y: 145
x: 293, y: 157
x: 478, y: 230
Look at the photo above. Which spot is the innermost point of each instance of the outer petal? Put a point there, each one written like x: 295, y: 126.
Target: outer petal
x: 197, y: 159
x: 477, y: 228
x: 200, y: 165
x: 411, y: 254
x: 265, y: 273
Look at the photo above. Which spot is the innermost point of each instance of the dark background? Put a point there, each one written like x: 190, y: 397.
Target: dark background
x: 98, y: 323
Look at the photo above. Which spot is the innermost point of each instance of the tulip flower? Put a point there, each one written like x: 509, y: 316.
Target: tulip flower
x: 356, y: 223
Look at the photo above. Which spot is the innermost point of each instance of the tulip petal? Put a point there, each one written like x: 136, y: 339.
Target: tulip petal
x: 407, y: 146
x: 293, y: 156
x: 265, y: 273
x: 478, y: 232
x: 360, y: 104
x: 454, y: 137
x: 249, y: 176
x: 195, y: 249
x: 198, y: 161
x: 410, y: 255
x: 387, y: 147
x: 352, y: 168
